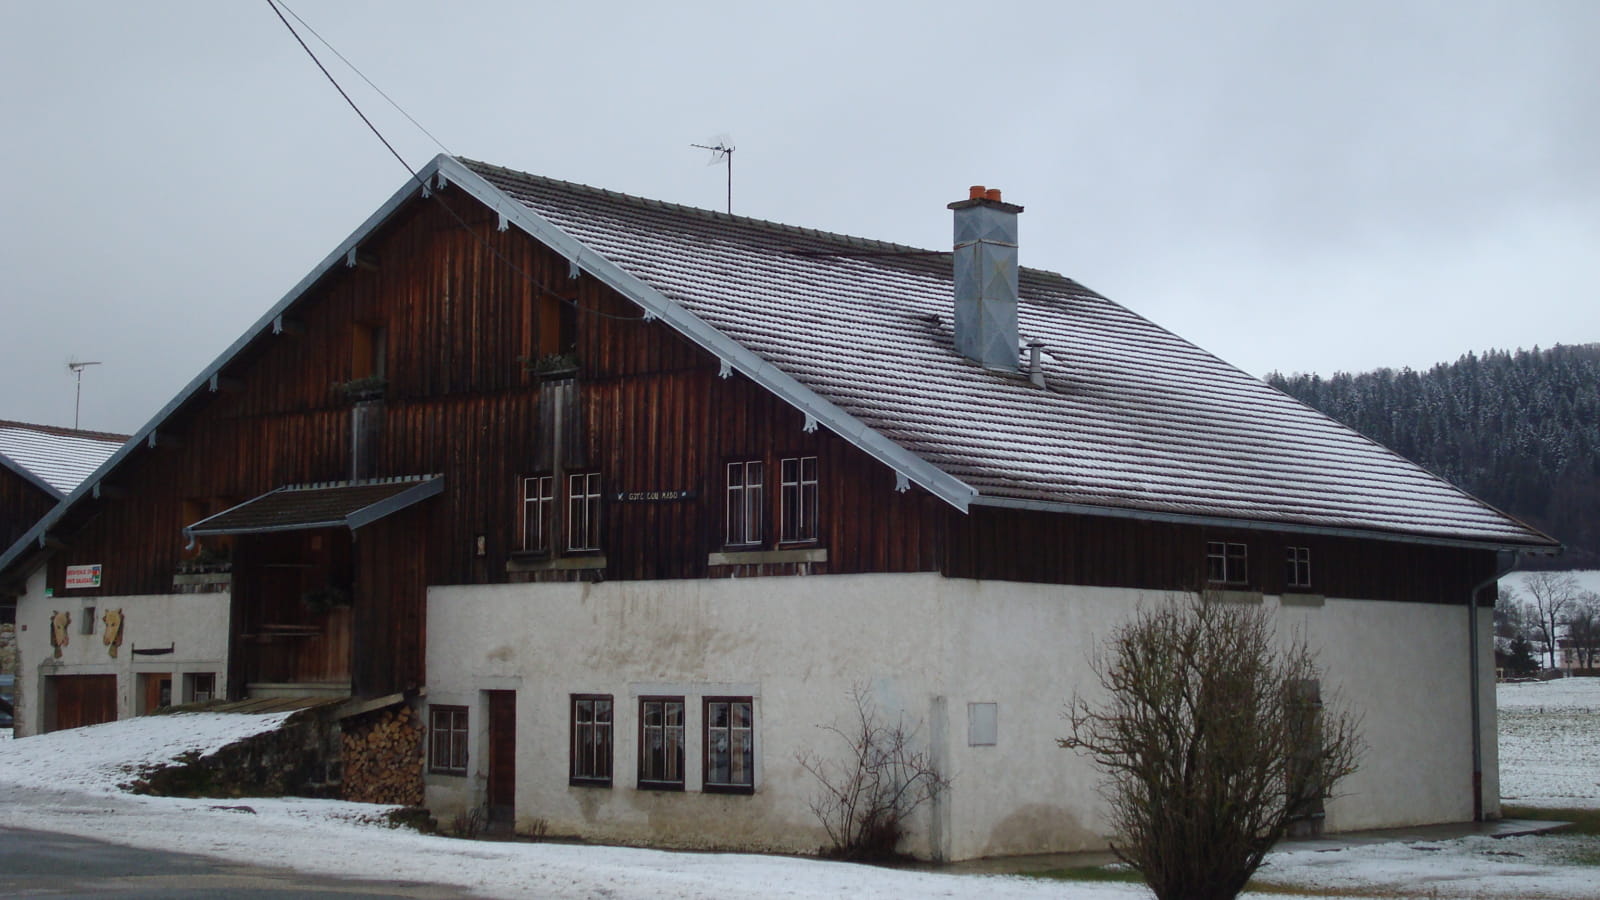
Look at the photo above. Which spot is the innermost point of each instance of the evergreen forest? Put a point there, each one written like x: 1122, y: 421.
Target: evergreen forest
x: 1519, y: 430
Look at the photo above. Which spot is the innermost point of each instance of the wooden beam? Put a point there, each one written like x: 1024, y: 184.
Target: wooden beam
x: 166, y: 439
x: 221, y: 383
x: 284, y: 325
x: 103, y: 491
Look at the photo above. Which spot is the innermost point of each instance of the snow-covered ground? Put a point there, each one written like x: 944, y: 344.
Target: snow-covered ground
x: 1550, y: 743
x: 67, y: 782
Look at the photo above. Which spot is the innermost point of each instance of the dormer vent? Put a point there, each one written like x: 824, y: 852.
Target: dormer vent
x: 986, y: 278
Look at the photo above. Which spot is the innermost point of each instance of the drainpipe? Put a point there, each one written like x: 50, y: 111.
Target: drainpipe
x: 1505, y: 561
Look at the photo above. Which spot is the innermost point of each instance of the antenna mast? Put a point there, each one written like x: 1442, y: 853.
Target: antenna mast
x: 722, y: 151
x: 77, y: 369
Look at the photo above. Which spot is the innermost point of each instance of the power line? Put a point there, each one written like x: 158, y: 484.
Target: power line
x: 526, y: 276
x: 335, y: 51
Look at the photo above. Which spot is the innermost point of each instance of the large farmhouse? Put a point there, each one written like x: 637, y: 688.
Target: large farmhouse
x: 627, y: 498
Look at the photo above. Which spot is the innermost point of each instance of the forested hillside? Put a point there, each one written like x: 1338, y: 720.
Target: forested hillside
x: 1520, y: 430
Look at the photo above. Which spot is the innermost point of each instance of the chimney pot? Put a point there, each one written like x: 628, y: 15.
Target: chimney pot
x: 992, y: 194
x: 975, y: 192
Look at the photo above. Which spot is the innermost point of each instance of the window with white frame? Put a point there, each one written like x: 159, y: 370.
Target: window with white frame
x: 661, y: 743
x: 538, y: 511
x: 745, y: 490
x: 798, y: 498
x: 583, y: 511
x: 1297, y: 567
x: 199, y: 687
x: 447, y: 733
x: 730, y: 761
x: 1227, y: 562
x: 591, y: 739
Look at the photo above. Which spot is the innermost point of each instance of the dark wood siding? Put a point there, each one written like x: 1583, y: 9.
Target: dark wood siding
x: 1024, y: 545
x: 22, y: 503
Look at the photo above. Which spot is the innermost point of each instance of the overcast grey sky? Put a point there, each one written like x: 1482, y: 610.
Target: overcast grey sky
x: 1294, y: 186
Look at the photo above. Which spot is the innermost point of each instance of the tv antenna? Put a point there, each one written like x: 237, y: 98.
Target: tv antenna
x: 77, y: 369
x: 721, y: 148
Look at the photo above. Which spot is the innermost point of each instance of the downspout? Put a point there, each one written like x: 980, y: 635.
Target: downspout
x: 1505, y: 561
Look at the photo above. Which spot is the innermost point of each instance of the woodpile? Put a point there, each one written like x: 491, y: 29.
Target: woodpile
x: 382, y: 758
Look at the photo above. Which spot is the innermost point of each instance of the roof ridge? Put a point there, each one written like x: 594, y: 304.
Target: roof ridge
x: 62, y: 431
x: 723, y: 217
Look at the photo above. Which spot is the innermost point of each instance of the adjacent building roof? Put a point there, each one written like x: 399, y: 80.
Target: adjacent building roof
x: 55, y: 459
x: 300, y: 507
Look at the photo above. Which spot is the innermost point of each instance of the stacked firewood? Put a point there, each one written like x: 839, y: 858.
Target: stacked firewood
x: 383, y: 759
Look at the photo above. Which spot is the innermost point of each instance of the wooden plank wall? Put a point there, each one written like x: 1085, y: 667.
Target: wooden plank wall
x: 22, y: 503
x: 1021, y: 545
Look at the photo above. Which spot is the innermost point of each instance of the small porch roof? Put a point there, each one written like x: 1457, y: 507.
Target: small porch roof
x: 328, y: 504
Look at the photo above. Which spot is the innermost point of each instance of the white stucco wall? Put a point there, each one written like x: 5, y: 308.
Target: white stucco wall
x: 194, y: 625
x: 925, y: 647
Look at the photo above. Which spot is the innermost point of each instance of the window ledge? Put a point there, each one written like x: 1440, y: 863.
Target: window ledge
x: 767, y: 557
x: 745, y: 789
x: 1234, y: 595
x: 557, y: 564
x: 187, y: 578
x: 1301, y: 598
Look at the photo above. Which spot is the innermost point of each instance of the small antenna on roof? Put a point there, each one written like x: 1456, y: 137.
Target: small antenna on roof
x: 721, y: 148
x: 77, y: 369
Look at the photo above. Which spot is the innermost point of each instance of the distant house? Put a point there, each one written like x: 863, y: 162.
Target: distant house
x: 626, y: 497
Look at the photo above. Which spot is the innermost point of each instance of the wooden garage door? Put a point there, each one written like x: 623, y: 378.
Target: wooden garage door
x: 84, y: 699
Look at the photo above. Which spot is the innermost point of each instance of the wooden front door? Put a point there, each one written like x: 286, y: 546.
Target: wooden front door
x: 83, y: 700
x: 502, y: 757
x: 156, y: 691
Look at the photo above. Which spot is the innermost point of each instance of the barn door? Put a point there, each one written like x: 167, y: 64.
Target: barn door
x: 502, y: 758
x: 80, y: 700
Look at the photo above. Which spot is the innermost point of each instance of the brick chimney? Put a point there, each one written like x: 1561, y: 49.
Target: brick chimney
x: 986, y: 278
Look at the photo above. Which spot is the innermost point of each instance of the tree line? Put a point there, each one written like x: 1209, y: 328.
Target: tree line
x: 1520, y: 430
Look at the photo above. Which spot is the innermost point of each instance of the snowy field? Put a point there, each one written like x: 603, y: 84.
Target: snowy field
x: 1588, y: 580
x: 1550, y: 743
x: 67, y: 782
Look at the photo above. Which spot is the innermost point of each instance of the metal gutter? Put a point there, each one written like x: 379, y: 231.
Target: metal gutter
x: 266, y: 326
x: 1121, y: 512
x: 733, y: 355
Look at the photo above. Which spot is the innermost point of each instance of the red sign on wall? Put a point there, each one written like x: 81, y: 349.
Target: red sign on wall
x: 83, y: 576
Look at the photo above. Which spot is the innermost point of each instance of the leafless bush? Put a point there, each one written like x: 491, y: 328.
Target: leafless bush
x: 864, y: 799
x: 468, y: 823
x: 1213, y: 742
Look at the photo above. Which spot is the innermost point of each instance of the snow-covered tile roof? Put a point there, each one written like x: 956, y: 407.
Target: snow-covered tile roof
x: 1133, y: 417
x: 60, y: 458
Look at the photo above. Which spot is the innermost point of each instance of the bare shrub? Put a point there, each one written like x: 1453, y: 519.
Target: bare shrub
x: 864, y: 798
x: 468, y: 823
x: 1212, y: 740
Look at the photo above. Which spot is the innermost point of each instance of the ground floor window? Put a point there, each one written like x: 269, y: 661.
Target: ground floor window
x: 199, y: 687
x: 661, y: 743
x: 729, y: 745
x: 447, y: 744
x: 591, y: 739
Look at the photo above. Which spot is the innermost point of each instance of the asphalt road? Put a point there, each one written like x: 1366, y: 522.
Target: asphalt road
x: 44, y: 864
